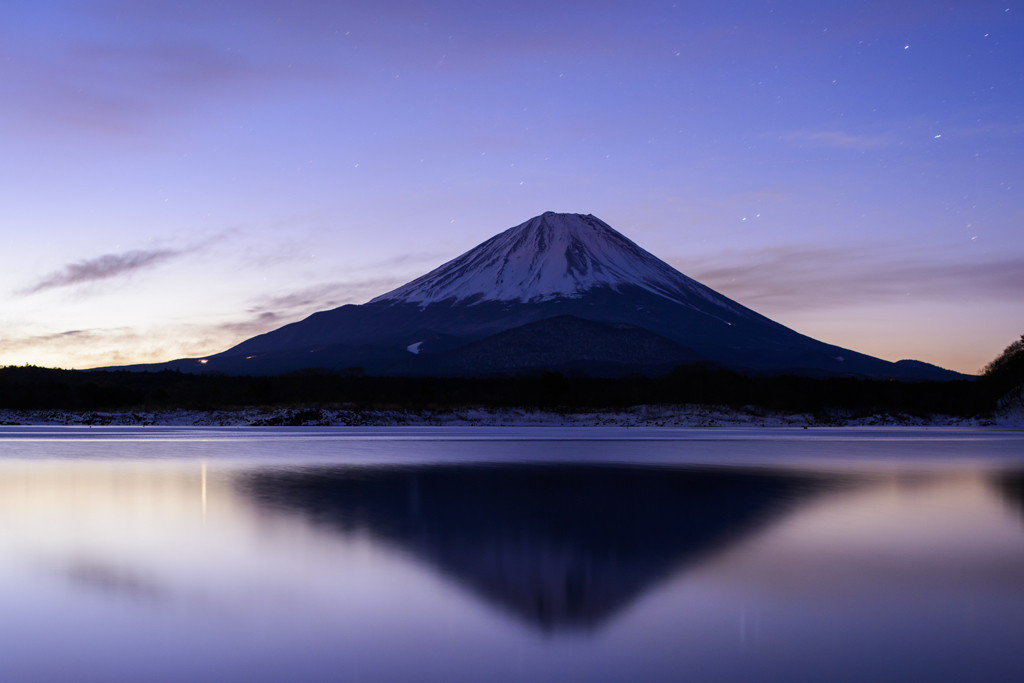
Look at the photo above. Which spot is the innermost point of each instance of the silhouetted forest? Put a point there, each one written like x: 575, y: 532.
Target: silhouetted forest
x: 1003, y: 378
x: 33, y: 388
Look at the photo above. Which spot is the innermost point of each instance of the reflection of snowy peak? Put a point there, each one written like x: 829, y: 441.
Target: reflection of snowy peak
x: 553, y: 255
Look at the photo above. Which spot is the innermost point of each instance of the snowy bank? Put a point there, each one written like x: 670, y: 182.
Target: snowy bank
x: 639, y: 416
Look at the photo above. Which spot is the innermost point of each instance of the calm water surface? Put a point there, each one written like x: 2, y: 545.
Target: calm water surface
x: 516, y: 554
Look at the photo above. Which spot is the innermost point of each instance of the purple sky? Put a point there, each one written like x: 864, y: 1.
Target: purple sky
x: 178, y: 176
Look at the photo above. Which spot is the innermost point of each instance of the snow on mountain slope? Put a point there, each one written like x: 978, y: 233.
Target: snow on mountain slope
x: 550, y: 256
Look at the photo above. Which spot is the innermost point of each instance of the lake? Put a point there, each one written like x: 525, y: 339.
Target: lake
x: 511, y: 554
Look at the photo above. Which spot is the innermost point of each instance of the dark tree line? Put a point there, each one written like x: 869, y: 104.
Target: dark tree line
x: 33, y: 388
x: 1003, y: 378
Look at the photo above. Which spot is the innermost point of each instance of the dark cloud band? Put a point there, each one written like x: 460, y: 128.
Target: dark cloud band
x: 801, y: 278
x: 103, y: 268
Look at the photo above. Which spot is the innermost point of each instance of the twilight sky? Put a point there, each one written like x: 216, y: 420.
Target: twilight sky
x: 178, y: 176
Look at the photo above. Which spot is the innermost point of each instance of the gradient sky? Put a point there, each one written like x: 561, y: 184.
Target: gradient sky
x: 178, y: 176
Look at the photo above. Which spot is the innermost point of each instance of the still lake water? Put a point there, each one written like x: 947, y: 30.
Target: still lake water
x: 491, y: 554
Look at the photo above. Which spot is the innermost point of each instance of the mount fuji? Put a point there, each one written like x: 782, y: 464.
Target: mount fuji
x: 558, y: 292
x: 550, y: 257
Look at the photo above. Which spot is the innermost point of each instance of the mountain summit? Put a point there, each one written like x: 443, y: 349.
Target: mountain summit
x: 558, y: 292
x: 551, y: 256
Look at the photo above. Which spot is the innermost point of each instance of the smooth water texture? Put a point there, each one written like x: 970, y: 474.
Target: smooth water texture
x: 142, y: 554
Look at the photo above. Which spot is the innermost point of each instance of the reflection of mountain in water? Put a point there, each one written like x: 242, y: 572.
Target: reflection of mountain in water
x: 562, y: 546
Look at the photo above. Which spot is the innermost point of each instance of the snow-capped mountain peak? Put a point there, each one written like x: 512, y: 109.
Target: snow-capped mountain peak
x: 552, y: 255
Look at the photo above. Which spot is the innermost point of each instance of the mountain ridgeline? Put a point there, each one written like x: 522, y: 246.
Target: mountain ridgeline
x: 561, y: 292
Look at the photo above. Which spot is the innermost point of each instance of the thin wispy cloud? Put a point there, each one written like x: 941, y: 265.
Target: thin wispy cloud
x: 100, y: 347
x: 103, y: 268
x: 63, y: 338
x: 838, y: 139
x: 77, y: 348
x: 913, y: 129
x: 323, y: 296
x: 120, y: 72
x: 363, y: 284
x: 796, y: 278
x: 128, y: 63
x: 227, y: 334
x: 94, y: 347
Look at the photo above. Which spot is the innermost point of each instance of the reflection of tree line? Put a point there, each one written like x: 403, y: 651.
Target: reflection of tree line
x: 560, y: 546
x: 1011, y: 486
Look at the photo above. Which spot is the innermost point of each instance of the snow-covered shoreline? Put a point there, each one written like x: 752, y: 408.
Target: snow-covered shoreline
x: 639, y: 416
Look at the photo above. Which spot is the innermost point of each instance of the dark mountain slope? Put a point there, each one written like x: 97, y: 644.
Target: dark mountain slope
x: 562, y: 343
